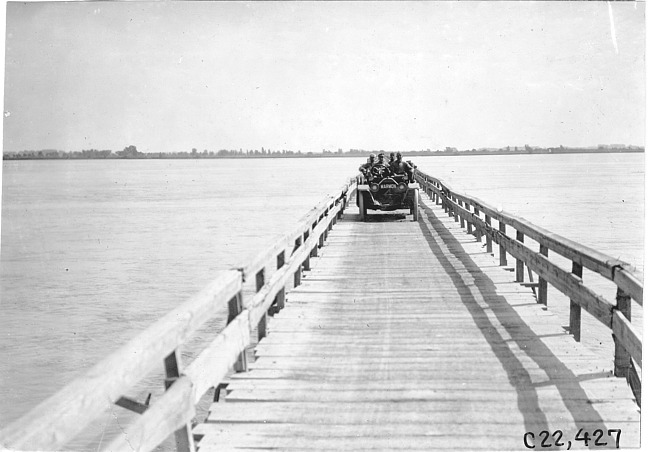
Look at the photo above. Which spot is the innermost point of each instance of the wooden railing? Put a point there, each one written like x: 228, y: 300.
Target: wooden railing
x: 252, y: 291
x: 510, y: 233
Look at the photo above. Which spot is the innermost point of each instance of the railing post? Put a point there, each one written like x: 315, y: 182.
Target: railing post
x: 183, y: 436
x: 469, y: 223
x: 279, y: 298
x: 503, y: 260
x: 622, y: 358
x: 488, y: 240
x: 478, y: 231
x: 305, y: 264
x: 542, y: 293
x: 234, y: 308
x: 575, y: 312
x: 519, y: 272
x: 261, y: 326
x: 314, y: 251
x: 298, y: 274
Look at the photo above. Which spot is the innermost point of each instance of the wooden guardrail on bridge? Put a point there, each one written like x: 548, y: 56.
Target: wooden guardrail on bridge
x: 510, y: 236
x: 251, y: 291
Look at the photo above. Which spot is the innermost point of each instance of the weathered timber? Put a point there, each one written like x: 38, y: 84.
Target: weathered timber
x: 56, y: 421
x: 172, y: 411
x: 51, y: 424
x: 372, y: 357
x: 622, y: 361
x: 214, y: 362
x: 542, y: 294
x: 627, y: 337
x: 575, y: 312
x: 566, y: 282
x: 594, y: 260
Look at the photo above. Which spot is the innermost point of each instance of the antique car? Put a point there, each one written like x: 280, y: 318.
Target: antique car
x: 382, y: 190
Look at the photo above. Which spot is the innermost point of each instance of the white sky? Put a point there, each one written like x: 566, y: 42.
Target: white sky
x: 299, y: 75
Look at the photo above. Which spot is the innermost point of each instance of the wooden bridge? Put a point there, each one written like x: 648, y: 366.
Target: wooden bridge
x: 384, y: 334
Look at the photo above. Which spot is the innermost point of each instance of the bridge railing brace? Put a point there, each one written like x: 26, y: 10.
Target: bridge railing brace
x: 478, y: 215
x: 251, y: 292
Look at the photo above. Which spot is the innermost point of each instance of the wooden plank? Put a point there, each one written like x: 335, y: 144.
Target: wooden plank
x: 575, y: 311
x: 630, y: 281
x: 518, y: 376
x: 493, y: 364
x: 286, y: 241
x: 396, y: 441
x: 429, y: 443
x: 626, y: 336
x: 589, y: 258
x: 601, y: 388
x: 133, y: 405
x: 171, y: 411
x: 424, y: 412
x: 52, y: 423
x: 567, y: 283
x: 459, y: 431
x: 344, y: 355
x: 214, y: 362
x: 263, y: 299
x: 447, y: 399
x: 408, y: 352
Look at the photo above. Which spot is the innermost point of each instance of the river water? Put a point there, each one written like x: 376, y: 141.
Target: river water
x: 95, y: 251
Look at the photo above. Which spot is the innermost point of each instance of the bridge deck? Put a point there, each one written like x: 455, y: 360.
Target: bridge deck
x: 408, y: 335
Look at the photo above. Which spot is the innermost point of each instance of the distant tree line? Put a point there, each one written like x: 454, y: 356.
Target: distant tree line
x: 131, y: 152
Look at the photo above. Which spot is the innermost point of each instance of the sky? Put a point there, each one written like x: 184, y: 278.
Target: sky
x: 172, y: 76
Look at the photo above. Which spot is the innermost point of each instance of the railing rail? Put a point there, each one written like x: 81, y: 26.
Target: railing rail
x: 252, y: 291
x: 479, y: 217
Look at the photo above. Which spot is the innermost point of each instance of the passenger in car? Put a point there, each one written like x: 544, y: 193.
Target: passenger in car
x: 365, y: 168
x: 400, y: 167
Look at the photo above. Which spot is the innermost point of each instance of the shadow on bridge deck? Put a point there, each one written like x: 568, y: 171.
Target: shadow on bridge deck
x: 473, y: 284
x: 406, y: 335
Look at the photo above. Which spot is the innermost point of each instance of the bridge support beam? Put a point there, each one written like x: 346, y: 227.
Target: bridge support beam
x: 542, y: 293
x: 519, y: 267
x: 488, y: 240
x: 278, y: 303
x: 478, y: 231
x: 622, y: 361
x: 575, y: 311
x: 261, y: 326
x: 503, y: 260
x: 235, y: 306
x: 183, y: 436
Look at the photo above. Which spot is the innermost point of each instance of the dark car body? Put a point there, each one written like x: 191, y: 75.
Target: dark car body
x: 387, y: 193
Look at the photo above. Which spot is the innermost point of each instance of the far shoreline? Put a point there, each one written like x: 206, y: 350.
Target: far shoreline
x: 61, y: 155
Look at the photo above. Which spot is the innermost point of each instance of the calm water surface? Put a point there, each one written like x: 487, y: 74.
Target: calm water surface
x: 95, y: 251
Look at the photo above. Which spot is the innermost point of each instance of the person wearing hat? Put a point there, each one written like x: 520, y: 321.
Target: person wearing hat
x: 381, y: 168
x: 401, y: 167
x: 365, y: 168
